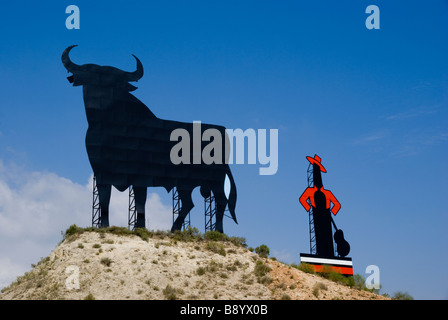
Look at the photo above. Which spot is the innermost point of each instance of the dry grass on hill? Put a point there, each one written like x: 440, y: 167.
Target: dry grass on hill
x: 118, y: 264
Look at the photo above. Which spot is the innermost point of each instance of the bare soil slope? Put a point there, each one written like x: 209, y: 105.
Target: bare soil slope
x: 101, y: 265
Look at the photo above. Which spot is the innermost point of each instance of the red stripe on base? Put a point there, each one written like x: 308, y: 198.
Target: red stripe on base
x: 341, y: 270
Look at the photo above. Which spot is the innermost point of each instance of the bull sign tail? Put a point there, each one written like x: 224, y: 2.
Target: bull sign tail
x: 230, y: 191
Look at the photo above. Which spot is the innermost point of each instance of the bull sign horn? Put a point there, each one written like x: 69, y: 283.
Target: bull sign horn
x: 73, y: 67
x: 68, y: 64
x: 137, y: 74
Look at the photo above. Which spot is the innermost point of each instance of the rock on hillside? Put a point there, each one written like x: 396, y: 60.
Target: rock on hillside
x: 105, y: 265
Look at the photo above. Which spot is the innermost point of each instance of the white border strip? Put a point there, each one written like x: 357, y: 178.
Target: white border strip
x: 326, y: 261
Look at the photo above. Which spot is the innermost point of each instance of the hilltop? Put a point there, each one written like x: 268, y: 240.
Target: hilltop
x: 118, y: 264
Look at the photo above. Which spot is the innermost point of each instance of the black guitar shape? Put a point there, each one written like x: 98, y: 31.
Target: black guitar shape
x: 342, y: 246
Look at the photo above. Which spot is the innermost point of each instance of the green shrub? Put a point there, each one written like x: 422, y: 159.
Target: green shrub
x: 317, y: 287
x: 189, y: 234
x: 264, y: 279
x: 106, y: 261
x: 212, y: 267
x: 316, y: 292
x: 359, y: 282
x: 216, y: 248
x: 262, y: 251
x: 320, y: 286
x: 400, y: 295
x: 89, y: 297
x: 215, y: 236
x: 307, y: 268
x: 171, y: 293
x: 120, y: 231
x: 329, y: 273
x: 200, y: 271
x: 261, y: 269
x: 142, y: 233
x: 239, y: 241
x: 72, y: 230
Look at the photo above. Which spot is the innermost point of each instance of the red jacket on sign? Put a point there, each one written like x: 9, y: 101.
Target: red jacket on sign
x: 309, y: 194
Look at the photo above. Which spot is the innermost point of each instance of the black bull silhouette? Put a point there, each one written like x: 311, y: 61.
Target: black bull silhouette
x: 128, y: 145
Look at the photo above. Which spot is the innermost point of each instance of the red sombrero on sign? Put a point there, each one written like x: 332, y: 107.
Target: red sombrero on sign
x: 316, y: 160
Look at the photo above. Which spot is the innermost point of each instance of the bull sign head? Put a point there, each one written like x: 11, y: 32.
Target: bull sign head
x: 102, y: 76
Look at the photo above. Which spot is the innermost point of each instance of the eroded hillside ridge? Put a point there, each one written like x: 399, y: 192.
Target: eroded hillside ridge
x: 117, y: 264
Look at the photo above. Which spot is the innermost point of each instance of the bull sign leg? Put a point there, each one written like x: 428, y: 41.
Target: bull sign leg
x: 186, y: 206
x: 140, y: 201
x: 221, y: 203
x: 104, y: 197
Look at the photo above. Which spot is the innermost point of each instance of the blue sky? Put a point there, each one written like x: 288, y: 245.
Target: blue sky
x: 373, y: 104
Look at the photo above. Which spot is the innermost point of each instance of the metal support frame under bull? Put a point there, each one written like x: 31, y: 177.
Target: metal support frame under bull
x: 210, y: 213
x: 176, y: 209
x: 96, y: 209
x: 132, y: 211
x: 310, y: 212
